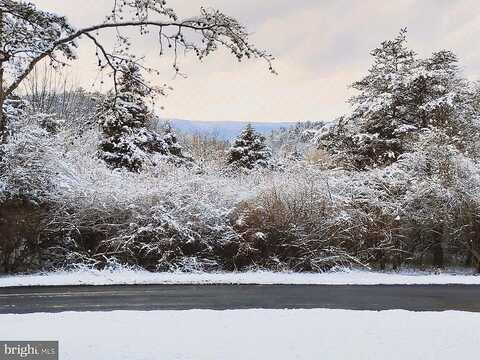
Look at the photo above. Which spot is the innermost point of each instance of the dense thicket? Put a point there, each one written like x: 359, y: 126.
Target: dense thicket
x: 395, y: 184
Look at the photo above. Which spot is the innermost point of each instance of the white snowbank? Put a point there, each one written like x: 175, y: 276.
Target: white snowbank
x: 127, y: 276
x: 252, y: 334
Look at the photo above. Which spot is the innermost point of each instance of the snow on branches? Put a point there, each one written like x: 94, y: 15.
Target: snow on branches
x: 249, y: 150
x: 401, y: 98
x: 124, y: 117
x: 29, y: 35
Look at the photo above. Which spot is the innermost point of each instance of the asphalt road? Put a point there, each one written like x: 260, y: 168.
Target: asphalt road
x: 222, y: 297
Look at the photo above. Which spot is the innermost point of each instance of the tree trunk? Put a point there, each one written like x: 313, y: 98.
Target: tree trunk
x: 474, y: 254
x: 3, y: 120
x: 438, y: 258
x: 437, y: 248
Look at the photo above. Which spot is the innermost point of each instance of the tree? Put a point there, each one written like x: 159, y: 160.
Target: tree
x: 401, y: 98
x: 29, y: 35
x: 443, y: 101
x: 172, y: 145
x: 123, y: 118
x: 249, y: 150
x: 379, y: 110
x: 53, y: 93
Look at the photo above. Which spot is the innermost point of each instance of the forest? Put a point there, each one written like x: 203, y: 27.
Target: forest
x: 101, y: 179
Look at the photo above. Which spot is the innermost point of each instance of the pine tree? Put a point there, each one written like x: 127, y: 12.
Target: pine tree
x: 123, y: 118
x: 379, y: 111
x: 170, y: 138
x: 438, y: 91
x: 249, y: 150
x: 383, y: 92
x: 174, y: 149
x: 401, y: 98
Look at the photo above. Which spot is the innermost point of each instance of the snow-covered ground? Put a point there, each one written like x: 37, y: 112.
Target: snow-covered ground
x: 252, y: 334
x: 128, y: 276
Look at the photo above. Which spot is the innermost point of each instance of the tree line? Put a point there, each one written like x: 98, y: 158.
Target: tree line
x: 93, y: 179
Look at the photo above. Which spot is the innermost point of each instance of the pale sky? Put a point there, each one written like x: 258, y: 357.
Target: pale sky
x: 321, y: 47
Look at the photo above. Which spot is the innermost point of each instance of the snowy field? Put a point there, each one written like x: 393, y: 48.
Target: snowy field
x: 126, y: 276
x: 252, y: 334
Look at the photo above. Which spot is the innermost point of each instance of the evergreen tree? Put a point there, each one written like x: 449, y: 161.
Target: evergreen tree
x: 123, y: 118
x: 380, y: 110
x: 249, y: 150
x: 170, y: 138
x: 400, y: 99
x: 174, y: 149
x: 383, y: 92
x: 441, y: 97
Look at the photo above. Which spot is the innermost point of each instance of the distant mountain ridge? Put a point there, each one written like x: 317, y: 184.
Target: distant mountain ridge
x: 225, y: 130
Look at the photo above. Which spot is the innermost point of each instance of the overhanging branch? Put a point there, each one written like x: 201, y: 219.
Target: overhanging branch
x: 86, y: 31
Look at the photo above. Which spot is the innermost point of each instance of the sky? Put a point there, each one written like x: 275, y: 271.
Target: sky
x: 321, y: 47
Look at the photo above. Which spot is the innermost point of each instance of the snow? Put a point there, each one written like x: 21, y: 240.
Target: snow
x: 129, y: 276
x: 252, y: 334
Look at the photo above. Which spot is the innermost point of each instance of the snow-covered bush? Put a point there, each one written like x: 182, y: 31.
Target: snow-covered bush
x: 25, y: 167
x: 156, y: 223
x: 314, y: 220
x: 207, y: 150
x: 303, y: 218
x: 61, y: 205
x: 26, y: 172
x: 441, y: 204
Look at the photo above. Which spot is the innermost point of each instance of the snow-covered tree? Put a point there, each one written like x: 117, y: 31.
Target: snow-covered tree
x: 380, y: 108
x: 383, y: 91
x: 402, y: 97
x: 443, y: 101
x: 171, y: 139
x: 249, y: 150
x: 15, y: 111
x: 174, y: 149
x: 29, y: 35
x: 123, y: 118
